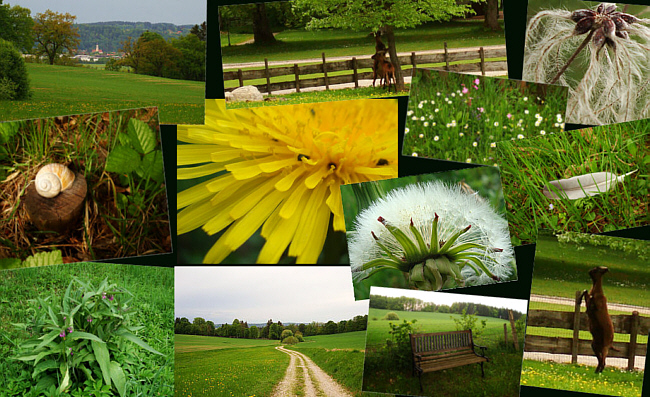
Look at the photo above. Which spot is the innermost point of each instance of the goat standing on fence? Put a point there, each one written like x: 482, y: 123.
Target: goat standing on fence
x: 600, y: 324
x: 384, y: 69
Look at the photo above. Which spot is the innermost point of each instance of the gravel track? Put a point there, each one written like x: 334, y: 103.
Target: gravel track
x: 314, y: 381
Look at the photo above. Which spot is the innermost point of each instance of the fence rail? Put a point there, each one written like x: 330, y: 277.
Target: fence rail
x: 482, y: 61
x: 623, y: 324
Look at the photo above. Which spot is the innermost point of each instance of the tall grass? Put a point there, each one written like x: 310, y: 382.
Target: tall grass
x: 528, y: 165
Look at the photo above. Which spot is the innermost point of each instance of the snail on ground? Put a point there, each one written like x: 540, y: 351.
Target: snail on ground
x: 53, y: 179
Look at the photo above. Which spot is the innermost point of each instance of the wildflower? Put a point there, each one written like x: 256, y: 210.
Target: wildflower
x: 406, y: 130
x: 437, y: 93
x: 89, y: 319
x: 537, y: 123
x: 410, y: 113
x: 436, y: 138
x: 420, y: 105
x: 431, y: 231
x: 414, y: 154
x: 475, y: 144
x: 62, y: 334
x: 414, y: 118
x: 496, y: 123
x: 526, y: 111
x: 422, y: 118
x: 436, y: 110
x: 461, y: 134
x: 550, y: 207
x: 525, y: 98
x: 520, y: 136
x: 493, y: 144
x: 477, y: 81
x: 481, y: 110
x: 426, y: 124
x: 103, y: 295
x: 110, y: 298
x: 542, y: 132
x: 468, y: 160
x: 421, y: 135
x: 453, y: 94
x: 283, y: 170
x: 509, y: 115
x: 465, y: 90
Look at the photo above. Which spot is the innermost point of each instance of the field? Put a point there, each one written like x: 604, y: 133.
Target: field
x: 581, y: 378
x: 61, y: 90
x: 385, y: 372
x: 152, y: 307
x: 194, y: 343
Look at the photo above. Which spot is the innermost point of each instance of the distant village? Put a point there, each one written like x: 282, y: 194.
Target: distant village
x: 97, y: 55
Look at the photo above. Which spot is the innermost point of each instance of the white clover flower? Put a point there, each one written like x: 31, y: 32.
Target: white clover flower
x: 437, y: 234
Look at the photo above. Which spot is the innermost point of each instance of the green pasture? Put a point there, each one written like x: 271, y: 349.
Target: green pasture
x: 153, y: 301
x: 345, y: 341
x: 235, y: 38
x: 234, y: 371
x: 301, y: 44
x: 386, y: 372
x: 581, y: 378
x: 62, y: 90
x: 561, y: 269
x: 194, y: 343
x: 378, y: 330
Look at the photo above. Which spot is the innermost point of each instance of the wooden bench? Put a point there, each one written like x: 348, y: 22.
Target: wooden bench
x: 443, y: 350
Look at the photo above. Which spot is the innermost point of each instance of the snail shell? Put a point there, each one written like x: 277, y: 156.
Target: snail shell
x: 52, y: 179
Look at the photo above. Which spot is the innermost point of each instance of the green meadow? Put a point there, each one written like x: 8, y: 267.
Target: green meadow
x: 64, y: 90
x: 386, y: 372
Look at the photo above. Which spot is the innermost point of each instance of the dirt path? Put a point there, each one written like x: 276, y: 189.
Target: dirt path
x: 311, y: 381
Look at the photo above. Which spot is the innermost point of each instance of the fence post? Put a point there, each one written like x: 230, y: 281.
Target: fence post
x: 355, y: 74
x: 327, y: 84
x: 296, y: 71
x: 575, y: 344
x: 514, y: 330
x: 631, y: 348
x: 446, y: 57
x: 482, y: 53
x: 268, y: 77
x: 505, y: 333
x: 240, y: 74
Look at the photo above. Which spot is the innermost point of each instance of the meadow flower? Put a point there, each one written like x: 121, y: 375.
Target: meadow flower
x: 542, y: 132
x: 436, y: 110
x: 414, y: 154
x: 62, y: 334
x: 509, y: 115
x: 414, y: 118
x: 481, y: 110
x: 406, y: 130
x: 526, y: 111
x: 435, y: 233
x: 550, y: 207
x: 421, y: 135
x: 410, y: 113
x: 525, y: 98
x: 496, y: 123
x: 493, y: 144
x: 426, y: 124
x: 437, y: 93
x: 436, y: 138
x: 520, y: 136
x: 465, y: 90
x: 420, y: 105
x: 280, y: 169
x: 475, y: 144
x: 461, y: 134
x: 477, y: 82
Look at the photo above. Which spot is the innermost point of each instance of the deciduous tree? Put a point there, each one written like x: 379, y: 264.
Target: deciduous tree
x: 55, y: 34
x: 16, y: 25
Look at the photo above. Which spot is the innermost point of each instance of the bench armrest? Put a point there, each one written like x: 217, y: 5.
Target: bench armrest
x: 418, y: 357
x: 483, y: 348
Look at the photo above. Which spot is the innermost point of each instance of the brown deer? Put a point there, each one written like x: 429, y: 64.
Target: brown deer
x: 384, y: 69
x: 379, y: 45
x: 600, y: 324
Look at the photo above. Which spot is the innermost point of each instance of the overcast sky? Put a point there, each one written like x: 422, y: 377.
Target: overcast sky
x: 445, y: 298
x: 178, y: 12
x: 257, y: 294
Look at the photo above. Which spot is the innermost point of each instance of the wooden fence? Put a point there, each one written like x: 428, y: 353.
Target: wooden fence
x: 480, y: 62
x: 623, y: 324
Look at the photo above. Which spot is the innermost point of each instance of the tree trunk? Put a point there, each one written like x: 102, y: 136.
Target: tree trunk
x: 390, y: 38
x: 492, y: 15
x: 261, y: 28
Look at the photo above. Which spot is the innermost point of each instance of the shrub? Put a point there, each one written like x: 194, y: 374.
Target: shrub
x: 14, y: 82
x: 290, y: 340
x: 285, y: 334
x: 88, y: 334
x: 391, y: 316
x: 468, y: 321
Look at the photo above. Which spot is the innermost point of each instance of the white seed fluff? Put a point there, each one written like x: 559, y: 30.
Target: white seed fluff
x: 420, y: 202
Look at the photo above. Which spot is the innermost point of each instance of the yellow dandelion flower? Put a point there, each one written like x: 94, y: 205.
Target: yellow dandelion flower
x: 280, y: 169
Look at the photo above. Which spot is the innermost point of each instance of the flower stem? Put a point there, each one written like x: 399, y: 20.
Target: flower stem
x: 573, y: 57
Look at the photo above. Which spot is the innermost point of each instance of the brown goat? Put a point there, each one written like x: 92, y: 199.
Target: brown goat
x: 600, y: 324
x: 384, y: 69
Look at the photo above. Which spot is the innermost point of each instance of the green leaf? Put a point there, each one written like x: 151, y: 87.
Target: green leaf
x: 45, y: 383
x: 142, y: 137
x: 8, y: 130
x: 84, y: 335
x: 129, y: 336
x: 117, y: 375
x: 65, y: 383
x: 48, y: 338
x: 44, y: 259
x: 66, y: 299
x: 10, y: 263
x: 122, y: 160
x: 44, y: 366
x: 152, y: 166
x: 631, y: 147
x: 103, y: 359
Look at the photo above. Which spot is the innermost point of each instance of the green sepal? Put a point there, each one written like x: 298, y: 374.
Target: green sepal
x: 453, y: 239
x: 410, y: 250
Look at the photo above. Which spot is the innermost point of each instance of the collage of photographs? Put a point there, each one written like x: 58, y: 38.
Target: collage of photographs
x: 324, y: 198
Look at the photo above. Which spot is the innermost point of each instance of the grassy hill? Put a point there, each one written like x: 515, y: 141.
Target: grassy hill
x: 61, y: 90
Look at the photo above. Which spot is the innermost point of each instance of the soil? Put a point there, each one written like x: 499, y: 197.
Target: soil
x: 315, y: 382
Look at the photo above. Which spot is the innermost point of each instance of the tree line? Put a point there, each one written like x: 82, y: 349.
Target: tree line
x: 272, y: 330
x: 404, y: 303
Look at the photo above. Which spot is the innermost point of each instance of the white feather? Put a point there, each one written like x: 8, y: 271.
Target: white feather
x: 582, y: 185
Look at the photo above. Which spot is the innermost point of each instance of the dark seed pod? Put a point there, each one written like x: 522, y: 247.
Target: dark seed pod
x: 609, y: 28
x: 626, y: 17
x: 620, y: 23
x: 579, y: 14
x: 622, y: 34
x: 583, y: 26
x: 609, y: 8
x: 600, y: 8
x: 599, y: 38
x: 610, y: 43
